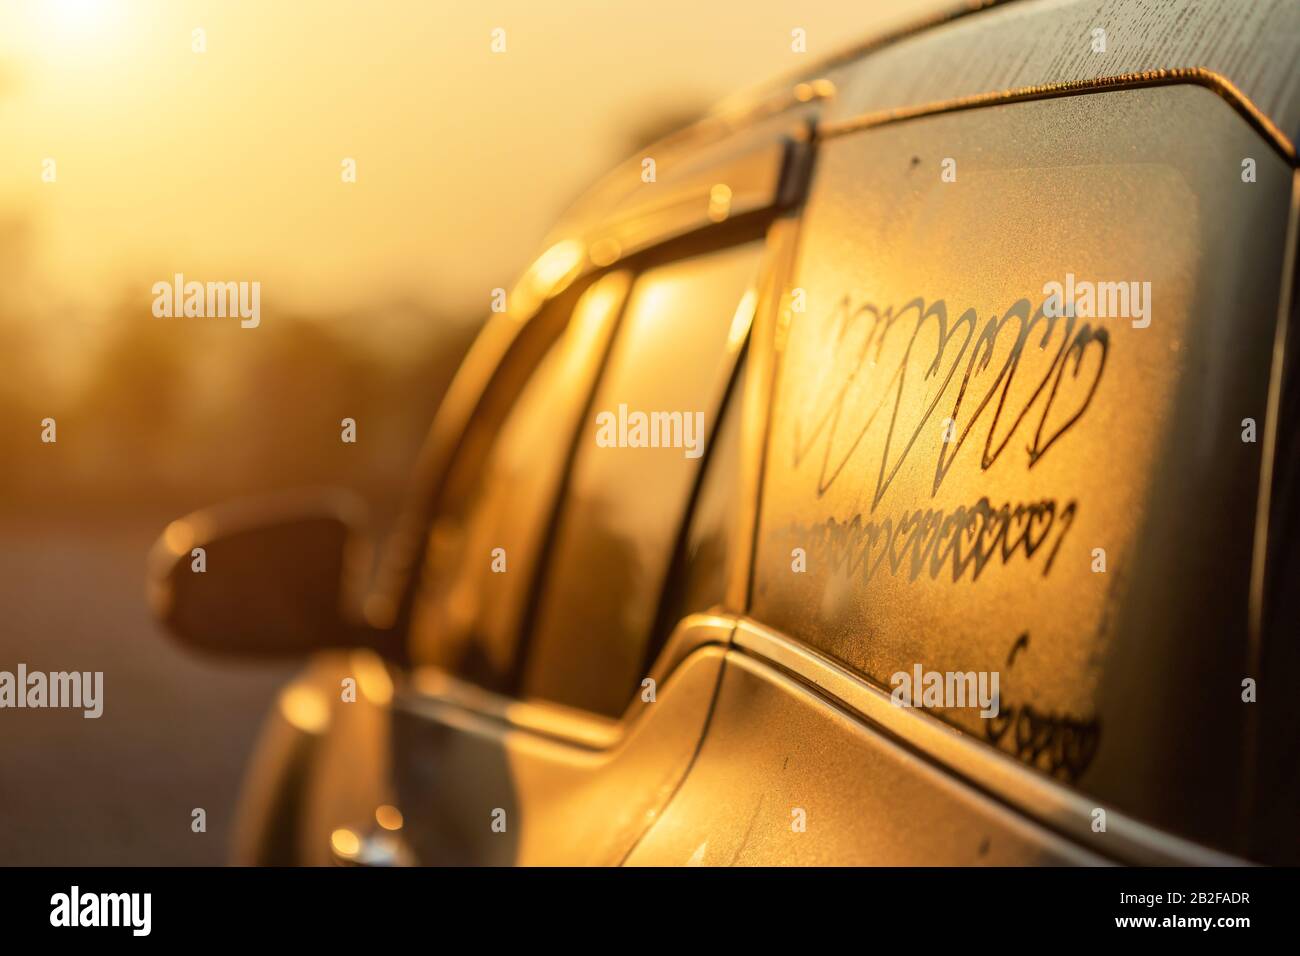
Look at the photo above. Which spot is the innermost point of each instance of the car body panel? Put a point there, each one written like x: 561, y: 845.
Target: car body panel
x: 568, y: 787
x: 784, y: 778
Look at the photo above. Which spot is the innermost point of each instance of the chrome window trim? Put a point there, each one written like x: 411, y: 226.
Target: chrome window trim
x: 992, y: 50
x: 1195, y: 76
x: 1027, y: 791
x: 433, y: 693
x: 771, y: 316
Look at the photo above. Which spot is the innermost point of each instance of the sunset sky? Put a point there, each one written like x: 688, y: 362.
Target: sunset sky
x: 226, y: 164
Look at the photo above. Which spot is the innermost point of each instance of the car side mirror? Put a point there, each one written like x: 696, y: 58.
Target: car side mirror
x: 270, y: 577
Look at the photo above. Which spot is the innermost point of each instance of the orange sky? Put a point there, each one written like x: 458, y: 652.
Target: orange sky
x: 226, y: 164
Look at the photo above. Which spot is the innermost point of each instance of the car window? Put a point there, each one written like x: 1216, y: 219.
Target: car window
x: 1009, y: 433
x: 482, y: 555
x: 698, y: 579
x: 626, y: 501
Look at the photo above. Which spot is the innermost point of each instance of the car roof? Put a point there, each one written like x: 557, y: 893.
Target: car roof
x: 999, y: 50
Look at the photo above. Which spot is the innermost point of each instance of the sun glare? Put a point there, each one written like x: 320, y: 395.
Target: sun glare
x: 77, y: 13
x: 75, y: 26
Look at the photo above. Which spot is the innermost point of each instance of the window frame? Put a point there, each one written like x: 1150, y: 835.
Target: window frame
x: 543, y: 572
x: 772, y: 157
x: 671, y: 641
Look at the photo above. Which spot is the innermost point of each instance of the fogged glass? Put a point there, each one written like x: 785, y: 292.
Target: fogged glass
x: 1067, y: 503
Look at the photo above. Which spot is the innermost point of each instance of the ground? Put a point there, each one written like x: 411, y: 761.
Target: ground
x: 176, y: 729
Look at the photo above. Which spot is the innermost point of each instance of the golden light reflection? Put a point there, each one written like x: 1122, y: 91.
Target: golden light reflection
x: 549, y: 275
x: 389, y: 817
x: 179, y: 537
x: 556, y: 263
x: 742, y: 320
x: 591, y: 314
x: 821, y: 89
x: 304, y: 708
x: 719, y: 202
x: 372, y: 677
x: 345, y: 843
x: 605, y: 251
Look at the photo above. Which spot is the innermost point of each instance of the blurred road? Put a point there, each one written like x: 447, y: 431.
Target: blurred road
x: 176, y: 729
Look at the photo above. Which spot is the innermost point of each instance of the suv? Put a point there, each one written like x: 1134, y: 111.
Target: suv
x: 897, y: 466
